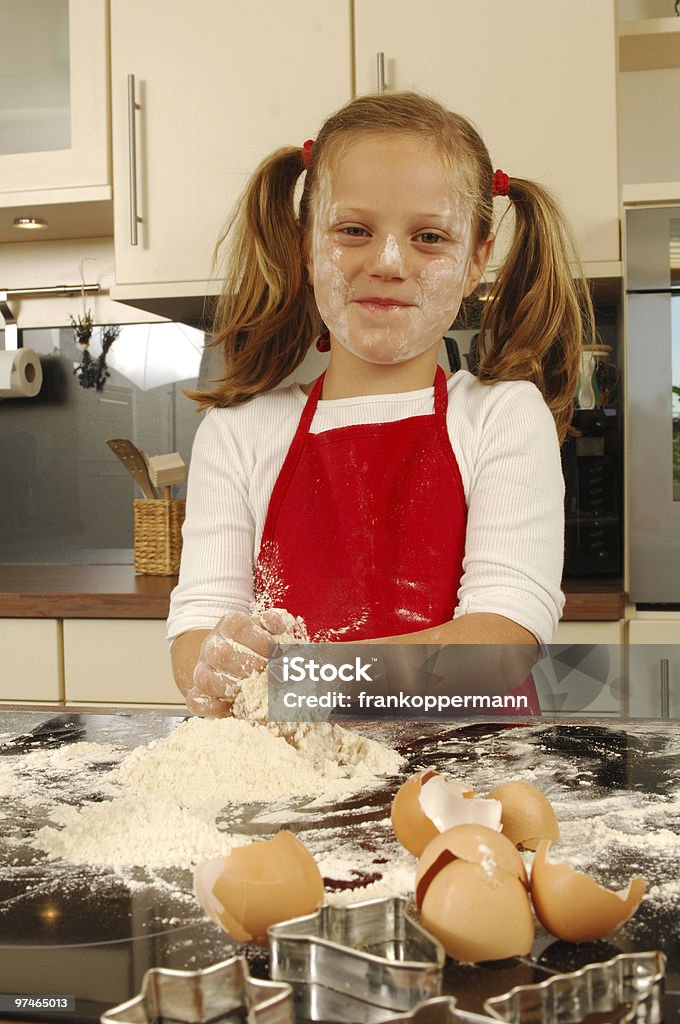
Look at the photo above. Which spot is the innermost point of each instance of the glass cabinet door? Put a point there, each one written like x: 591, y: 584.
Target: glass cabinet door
x: 35, y: 111
x: 54, y: 119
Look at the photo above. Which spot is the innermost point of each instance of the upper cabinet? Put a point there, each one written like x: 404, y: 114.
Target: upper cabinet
x: 200, y: 94
x: 54, y: 114
x: 538, y: 82
x: 649, y: 44
x: 649, y: 79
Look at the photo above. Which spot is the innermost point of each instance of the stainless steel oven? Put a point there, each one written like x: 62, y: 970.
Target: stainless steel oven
x: 653, y: 402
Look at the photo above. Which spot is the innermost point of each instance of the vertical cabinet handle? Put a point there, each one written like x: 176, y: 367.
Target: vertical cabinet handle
x: 133, y: 106
x: 381, y: 72
x: 665, y: 681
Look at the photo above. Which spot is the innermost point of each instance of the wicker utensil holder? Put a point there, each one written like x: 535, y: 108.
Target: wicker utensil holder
x: 158, y: 536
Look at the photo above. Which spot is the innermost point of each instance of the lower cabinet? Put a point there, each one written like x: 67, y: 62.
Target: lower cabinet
x: 654, y: 668
x: 30, y: 660
x: 595, y: 668
x: 118, y: 661
x: 585, y: 673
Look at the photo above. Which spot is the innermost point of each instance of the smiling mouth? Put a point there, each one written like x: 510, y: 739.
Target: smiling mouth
x: 383, y: 305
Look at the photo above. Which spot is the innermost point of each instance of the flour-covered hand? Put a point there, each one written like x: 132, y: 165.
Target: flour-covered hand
x: 235, y: 649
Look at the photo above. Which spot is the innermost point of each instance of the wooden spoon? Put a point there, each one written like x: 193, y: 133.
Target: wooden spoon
x: 134, y: 462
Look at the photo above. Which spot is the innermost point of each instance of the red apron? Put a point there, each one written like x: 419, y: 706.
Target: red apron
x: 365, y: 530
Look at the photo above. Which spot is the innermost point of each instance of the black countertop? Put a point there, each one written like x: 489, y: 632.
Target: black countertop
x: 94, y: 932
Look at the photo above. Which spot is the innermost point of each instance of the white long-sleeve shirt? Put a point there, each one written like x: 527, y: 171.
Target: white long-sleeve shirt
x: 504, y: 439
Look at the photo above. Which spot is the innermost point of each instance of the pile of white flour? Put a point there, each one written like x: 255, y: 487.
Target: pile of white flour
x: 162, y: 799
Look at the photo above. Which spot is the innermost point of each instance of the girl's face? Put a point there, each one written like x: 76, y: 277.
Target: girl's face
x: 391, y: 249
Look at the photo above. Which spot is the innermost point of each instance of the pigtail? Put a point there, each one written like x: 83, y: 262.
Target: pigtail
x: 538, y: 314
x: 266, y: 317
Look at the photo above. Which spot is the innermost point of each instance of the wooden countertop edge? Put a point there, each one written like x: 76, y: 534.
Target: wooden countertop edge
x: 117, y: 592
x: 594, y: 605
x: 82, y: 606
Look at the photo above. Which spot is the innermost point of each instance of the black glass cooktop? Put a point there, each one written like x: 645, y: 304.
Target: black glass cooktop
x: 93, y: 932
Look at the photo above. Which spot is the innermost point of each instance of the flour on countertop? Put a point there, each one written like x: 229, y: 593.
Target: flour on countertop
x: 185, y: 797
x: 164, y: 798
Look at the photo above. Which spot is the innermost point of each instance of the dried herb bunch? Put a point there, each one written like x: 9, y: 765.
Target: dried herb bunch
x: 92, y: 373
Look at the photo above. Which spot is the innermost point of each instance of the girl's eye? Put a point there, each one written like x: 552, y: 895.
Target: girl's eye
x: 430, y: 237
x: 353, y: 231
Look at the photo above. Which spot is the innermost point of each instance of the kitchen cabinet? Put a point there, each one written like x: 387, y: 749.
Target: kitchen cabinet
x: 54, y: 114
x: 539, y: 83
x: 113, y: 621
x: 30, y: 660
x: 118, y: 661
x: 649, y: 44
x: 649, y: 66
x: 217, y: 86
x: 654, y: 668
x: 589, y: 633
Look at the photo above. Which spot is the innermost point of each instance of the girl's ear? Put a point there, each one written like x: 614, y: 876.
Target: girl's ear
x: 478, y: 263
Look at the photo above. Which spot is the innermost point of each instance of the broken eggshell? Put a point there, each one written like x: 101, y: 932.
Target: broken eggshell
x: 429, y: 803
x: 527, y: 815
x: 471, y: 890
x: 575, y: 907
x: 260, y: 884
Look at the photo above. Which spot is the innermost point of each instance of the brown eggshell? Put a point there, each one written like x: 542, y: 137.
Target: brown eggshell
x: 259, y: 885
x: 574, y: 906
x: 474, y: 844
x: 477, y: 913
x: 411, y: 825
x: 527, y: 815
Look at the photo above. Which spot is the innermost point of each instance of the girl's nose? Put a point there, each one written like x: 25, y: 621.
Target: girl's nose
x: 386, y: 259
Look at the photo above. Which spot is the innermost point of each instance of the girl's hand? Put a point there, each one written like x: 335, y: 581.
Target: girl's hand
x: 231, y: 652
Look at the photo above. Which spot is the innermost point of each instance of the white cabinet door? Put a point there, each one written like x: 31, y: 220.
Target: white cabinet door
x: 118, y: 661
x: 582, y: 632
x: 219, y: 85
x: 30, y: 660
x: 54, y: 113
x: 654, y: 668
x: 586, y: 670
x: 538, y: 79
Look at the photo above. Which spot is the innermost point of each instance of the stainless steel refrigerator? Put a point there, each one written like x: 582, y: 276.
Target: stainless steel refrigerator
x: 653, y: 403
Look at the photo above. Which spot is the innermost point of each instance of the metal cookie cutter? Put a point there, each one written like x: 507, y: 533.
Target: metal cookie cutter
x: 366, y: 955
x: 223, y: 992
x: 629, y: 987
x: 441, y: 1010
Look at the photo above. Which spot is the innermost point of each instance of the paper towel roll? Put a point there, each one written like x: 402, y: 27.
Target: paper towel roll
x: 20, y: 373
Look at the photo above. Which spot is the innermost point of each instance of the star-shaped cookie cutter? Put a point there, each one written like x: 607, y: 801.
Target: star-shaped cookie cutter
x: 629, y: 987
x: 371, y: 951
x: 224, y: 991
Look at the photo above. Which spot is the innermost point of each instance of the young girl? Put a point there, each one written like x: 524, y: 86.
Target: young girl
x: 382, y: 501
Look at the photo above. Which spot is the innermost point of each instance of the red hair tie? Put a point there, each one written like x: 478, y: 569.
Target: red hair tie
x: 307, y: 152
x: 500, y: 185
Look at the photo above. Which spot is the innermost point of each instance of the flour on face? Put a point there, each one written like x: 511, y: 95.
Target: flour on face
x: 391, y: 249
x: 390, y: 255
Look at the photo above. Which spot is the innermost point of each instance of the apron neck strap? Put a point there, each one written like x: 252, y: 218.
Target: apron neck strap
x: 441, y: 398
x: 310, y: 405
x: 441, y: 394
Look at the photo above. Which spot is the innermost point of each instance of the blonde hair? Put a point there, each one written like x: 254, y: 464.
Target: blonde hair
x: 536, y: 314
